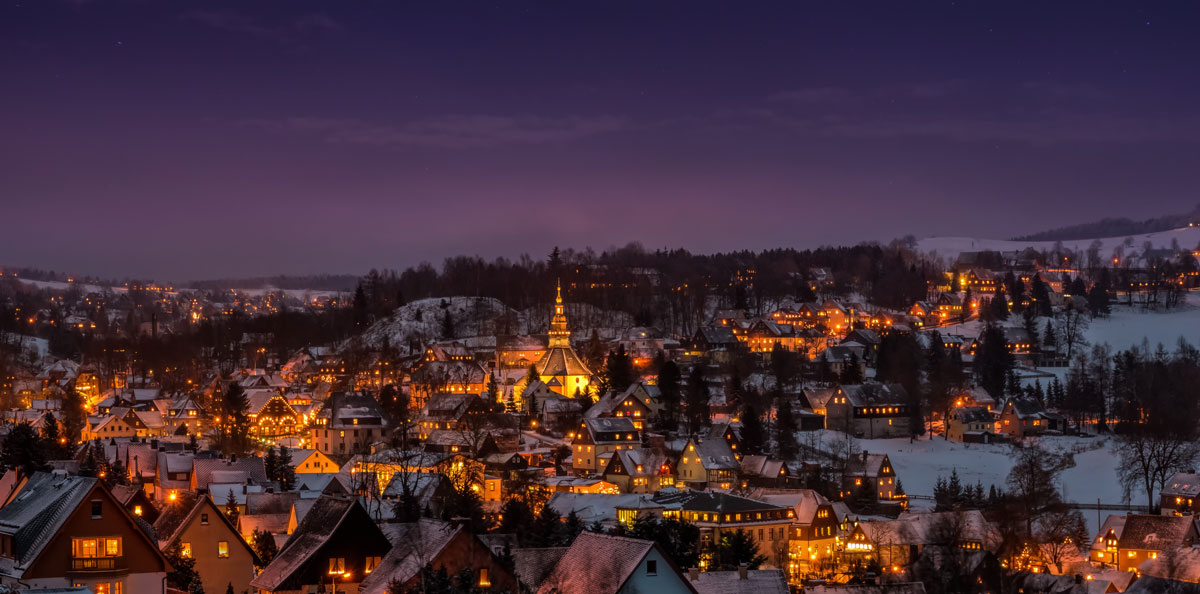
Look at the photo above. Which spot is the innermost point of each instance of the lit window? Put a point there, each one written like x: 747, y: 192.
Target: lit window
x: 223, y: 549
x: 185, y: 549
x: 371, y: 564
x: 484, y: 581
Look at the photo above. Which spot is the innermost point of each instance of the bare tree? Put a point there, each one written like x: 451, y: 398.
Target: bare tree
x: 1149, y: 458
x: 1060, y: 532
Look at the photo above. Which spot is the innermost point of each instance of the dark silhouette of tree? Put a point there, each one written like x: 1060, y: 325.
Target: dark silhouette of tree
x: 264, y: 546
x: 993, y: 361
x: 234, y: 411
x: 620, y: 370
x: 753, y: 433
x: 668, y: 384
x: 24, y: 450
x: 698, y: 414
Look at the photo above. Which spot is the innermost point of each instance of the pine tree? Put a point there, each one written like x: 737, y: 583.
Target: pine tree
x: 998, y: 306
x: 56, y: 445
x: 447, y: 325
x: 753, y: 433
x: 571, y: 528
x: 271, y: 464
x: 23, y: 450
x: 74, y: 416
x: 546, y: 529
x: 784, y: 365
x: 285, y: 471
x: 516, y: 518
x: 851, y: 371
x: 668, y: 385
x: 264, y: 546
x: 231, y: 508
x: 235, y: 420
x: 785, y: 429
x: 362, y: 315
x: 620, y: 370
x: 698, y: 414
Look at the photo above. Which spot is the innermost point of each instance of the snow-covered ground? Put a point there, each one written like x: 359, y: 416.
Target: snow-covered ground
x: 1125, y: 327
x: 950, y: 247
x: 919, y: 464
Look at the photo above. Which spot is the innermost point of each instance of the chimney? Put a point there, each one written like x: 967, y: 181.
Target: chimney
x: 864, y: 456
x: 694, y: 574
x: 743, y: 569
x: 1079, y: 578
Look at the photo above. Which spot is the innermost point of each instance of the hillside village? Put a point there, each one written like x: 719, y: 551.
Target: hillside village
x: 621, y: 422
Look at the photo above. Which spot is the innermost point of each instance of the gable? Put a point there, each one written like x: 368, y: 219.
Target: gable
x: 139, y: 554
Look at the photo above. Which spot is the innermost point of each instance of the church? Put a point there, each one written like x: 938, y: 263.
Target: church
x: 559, y: 367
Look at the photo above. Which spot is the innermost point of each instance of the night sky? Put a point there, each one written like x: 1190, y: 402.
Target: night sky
x: 181, y: 140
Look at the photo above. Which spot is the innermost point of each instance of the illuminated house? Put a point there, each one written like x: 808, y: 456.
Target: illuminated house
x: 185, y: 412
x: 442, y: 545
x: 446, y: 377
x: 337, y: 542
x: 718, y: 514
x: 639, y: 471
x: 1021, y: 417
x: 814, y: 531
x: 898, y: 543
x: 869, y: 410
x: 972, y: 424
x: 1181, y: 495
x: 519, y: 352
x: 874, y: 472
x: 206, y: 535
x: 272, y: 416
x: 382, y: 466
x: 560, y: 368
x: 597, y: 438
x: 348, y: 424
x: 708, y: 464
x: 59, y: 531
x: 1142, y: 537
x: 602, y: 564
x: 639, y: 402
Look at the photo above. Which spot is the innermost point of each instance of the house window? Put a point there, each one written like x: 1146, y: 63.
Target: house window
x: 337, y: 566
x: 185, y: 549
x: 651, y: 567
x: 372, y: 563
x: 95, y: 510
x: 223, y: 549
x: 204, y: 519
x: 484, y: 580
x: 137, y: 510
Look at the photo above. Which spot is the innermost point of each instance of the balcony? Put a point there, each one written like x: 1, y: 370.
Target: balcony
x: 97, y: 563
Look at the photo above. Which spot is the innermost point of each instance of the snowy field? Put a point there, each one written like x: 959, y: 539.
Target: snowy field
x: 950, y: 247
x: 919, y: 464
x: 1125, y: 327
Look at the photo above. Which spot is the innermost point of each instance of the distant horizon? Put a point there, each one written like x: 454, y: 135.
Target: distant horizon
x: 439, y: 262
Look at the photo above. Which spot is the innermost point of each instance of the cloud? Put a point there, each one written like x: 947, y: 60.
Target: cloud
x: 234, y: 22
x: 813, y: 96
x: 1046, y: 129
x: 453, y: 131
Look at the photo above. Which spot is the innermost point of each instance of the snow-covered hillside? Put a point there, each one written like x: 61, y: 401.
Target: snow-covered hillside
x: 422, y: 320
x: 950, y: 247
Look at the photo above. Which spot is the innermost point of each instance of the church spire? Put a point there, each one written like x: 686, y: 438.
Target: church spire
x: 559, y: 335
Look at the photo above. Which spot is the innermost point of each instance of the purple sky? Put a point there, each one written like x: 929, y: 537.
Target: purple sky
x: 182, y: 140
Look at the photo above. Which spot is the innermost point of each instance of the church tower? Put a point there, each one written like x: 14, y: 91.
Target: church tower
x: 560, y: 337
x: 560, y: 368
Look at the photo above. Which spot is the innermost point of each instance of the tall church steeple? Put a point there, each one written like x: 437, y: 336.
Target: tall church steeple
x: 559, y: 335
